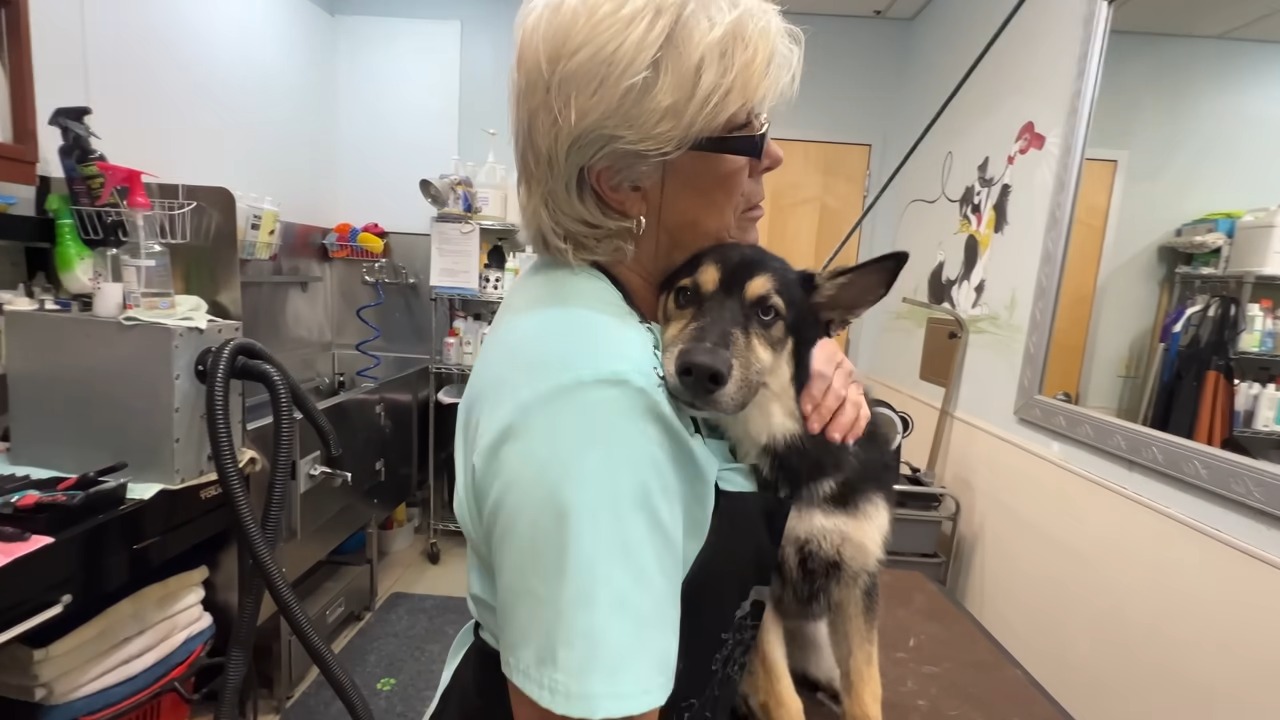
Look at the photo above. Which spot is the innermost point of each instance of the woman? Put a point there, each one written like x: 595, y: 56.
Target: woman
x: 617, y: 554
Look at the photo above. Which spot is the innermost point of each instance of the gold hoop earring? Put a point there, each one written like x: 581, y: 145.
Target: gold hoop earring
x: 637, y: 225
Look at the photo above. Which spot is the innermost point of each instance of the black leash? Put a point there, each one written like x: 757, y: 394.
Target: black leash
x: 932, y: 121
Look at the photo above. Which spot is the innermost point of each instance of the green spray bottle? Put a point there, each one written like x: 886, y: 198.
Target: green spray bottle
x: 71, y: 257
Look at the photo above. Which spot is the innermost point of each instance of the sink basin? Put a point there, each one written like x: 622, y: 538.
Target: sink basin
x: 325, y: 390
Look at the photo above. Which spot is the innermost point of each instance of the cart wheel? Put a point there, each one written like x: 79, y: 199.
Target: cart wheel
x: 433, y: 553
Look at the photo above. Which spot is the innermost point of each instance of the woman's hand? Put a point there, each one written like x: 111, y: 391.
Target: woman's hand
x: 834, y: 399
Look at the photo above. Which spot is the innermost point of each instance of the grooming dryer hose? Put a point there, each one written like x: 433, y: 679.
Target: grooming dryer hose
x: 245, y: 359
x: 365, y: 372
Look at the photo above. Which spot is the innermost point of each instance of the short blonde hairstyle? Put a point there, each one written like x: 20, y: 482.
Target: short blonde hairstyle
x: 627, y: 84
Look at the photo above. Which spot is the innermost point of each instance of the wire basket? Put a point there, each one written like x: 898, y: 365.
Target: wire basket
x: 168, y: 221
x: 347, y: 248
x: 259, y: 249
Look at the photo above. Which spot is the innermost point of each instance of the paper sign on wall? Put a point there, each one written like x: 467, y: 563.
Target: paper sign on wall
x: 455, y: 256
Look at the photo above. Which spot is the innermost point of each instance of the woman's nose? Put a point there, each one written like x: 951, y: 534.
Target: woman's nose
x: 772, y: 157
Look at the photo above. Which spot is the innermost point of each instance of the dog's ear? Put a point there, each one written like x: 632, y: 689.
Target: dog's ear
x: 843, y: 294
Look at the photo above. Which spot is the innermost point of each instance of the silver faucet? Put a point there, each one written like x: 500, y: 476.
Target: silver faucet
x: 387, y: 273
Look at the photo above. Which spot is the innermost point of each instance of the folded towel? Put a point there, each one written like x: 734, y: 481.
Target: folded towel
x: 60, y: 693
x: 189, y: 311
x: 122, y: 620
x: 173, y: 664
x: 81, y: 667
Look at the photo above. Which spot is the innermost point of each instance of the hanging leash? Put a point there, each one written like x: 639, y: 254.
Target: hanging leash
x: 923, y: 133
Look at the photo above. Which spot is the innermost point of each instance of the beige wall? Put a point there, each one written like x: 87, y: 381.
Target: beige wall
x: 1121, y: 611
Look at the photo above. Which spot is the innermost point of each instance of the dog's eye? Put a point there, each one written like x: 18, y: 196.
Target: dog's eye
x: 767, y: 312
x: 683, y: 297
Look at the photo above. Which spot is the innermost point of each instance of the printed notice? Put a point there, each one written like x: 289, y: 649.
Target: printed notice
x: 455, y: 255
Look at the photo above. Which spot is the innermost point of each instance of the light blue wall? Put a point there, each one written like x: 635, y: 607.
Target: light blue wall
x: 847, y: 94
x: 487, y: 45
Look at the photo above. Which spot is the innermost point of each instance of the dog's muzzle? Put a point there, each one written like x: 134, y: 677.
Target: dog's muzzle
x: 703, y: 371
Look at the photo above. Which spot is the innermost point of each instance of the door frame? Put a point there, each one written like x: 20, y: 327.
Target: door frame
x: 1121, y: 159
x: 854, y: 333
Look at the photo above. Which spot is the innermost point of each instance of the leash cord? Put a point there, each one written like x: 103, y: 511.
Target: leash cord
x: 923, y: 133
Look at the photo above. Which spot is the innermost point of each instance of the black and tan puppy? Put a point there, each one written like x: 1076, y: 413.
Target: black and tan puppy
x: 739, y: 325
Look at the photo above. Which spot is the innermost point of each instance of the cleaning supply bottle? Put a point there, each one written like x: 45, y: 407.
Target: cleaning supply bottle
x: 76, y: 150
x: 1264, y: 413
x: 491, y: 186
x: 71, y: 258
x: 145, y: 264
x: 1268, y: 343
x: 1238, y: 405
x: 1251, y: 338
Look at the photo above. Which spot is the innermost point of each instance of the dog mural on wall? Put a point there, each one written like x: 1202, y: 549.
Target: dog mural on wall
x: 984, y: 215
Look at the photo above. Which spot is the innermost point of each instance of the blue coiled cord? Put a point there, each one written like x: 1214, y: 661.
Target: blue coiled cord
x: 377, y: 335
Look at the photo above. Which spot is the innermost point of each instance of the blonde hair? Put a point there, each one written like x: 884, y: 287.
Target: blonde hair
x: 627, y: 84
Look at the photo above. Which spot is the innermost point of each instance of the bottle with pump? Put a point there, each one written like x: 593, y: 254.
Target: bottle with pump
x: 491, y: 186
x: 145, y: 265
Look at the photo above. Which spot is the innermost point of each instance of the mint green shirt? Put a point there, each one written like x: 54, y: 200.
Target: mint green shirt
x: 584, y: 496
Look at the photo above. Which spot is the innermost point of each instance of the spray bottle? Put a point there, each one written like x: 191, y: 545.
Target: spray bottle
x: 79, y: 159
x: 72, y: 260
x: 144, y: 263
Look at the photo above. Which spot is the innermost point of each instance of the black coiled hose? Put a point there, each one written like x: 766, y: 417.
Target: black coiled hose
x: 243, y: 628
x: 245, y: 359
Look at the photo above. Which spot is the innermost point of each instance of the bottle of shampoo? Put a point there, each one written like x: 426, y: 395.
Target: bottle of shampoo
x: 1268, y: 344
x: 1264, y: 415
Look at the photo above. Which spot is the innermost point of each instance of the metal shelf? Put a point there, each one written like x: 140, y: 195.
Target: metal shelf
x: 1248, y: 433
x: 463, y: 295
x: 454, y: 369
x: 300, y: 279
x: 496, y: 225
x: 1257, y: 356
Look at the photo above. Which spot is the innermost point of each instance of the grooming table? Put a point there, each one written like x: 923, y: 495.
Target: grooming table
x: 938, y: 662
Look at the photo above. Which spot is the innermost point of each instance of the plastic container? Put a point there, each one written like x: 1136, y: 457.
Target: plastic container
x: 1254, y: 321
x: 257, y: 225
x: 395, y: 540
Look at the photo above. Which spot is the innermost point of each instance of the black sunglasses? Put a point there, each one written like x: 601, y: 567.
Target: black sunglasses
x: 748, y: 145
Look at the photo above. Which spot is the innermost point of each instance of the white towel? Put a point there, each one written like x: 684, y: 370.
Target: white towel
x: 122, y: 620
x: 189, y: 311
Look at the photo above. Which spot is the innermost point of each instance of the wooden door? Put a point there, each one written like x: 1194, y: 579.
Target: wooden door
x: 1079, y: 280
x: 812, y: 200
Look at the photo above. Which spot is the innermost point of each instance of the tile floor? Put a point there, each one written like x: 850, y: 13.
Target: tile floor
x: 404, y: 571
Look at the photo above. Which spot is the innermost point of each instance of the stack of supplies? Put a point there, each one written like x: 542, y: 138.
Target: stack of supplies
x: 111, y: 658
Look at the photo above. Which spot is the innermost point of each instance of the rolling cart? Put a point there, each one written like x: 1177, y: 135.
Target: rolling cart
x: 439, y: 498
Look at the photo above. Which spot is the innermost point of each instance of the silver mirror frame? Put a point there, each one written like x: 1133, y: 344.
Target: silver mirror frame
x: 1248, y: 481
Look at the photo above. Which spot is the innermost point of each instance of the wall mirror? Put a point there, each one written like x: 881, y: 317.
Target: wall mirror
x: 1158, y: 302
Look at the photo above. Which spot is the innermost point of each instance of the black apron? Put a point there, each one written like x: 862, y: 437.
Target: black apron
x: 722, y: 602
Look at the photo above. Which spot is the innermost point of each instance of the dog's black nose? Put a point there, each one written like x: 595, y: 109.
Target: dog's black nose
x: 703, y: 371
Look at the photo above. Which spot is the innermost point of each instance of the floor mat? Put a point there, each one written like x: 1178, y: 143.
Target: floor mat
x: 396, y: 659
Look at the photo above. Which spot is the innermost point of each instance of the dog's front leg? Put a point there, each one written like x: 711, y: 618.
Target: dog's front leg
x: 771, y: 693
x: 856, y: 640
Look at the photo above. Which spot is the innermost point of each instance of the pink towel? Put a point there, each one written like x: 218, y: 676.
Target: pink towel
x: 13, y: 550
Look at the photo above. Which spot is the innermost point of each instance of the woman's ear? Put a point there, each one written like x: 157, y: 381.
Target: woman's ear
x: 841, y: 295
x: 625, y: 198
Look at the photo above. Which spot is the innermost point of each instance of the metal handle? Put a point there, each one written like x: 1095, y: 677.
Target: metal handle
x: 35, y: 620
x: 339, y: 477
